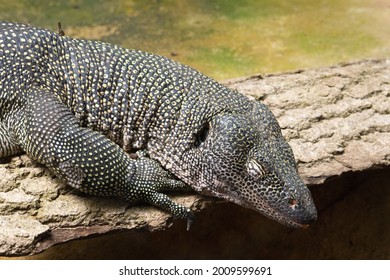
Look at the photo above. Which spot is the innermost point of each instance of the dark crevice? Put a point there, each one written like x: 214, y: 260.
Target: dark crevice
x: 352, y: 224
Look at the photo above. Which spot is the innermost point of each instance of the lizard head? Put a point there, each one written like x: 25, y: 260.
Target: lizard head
x: 242, y: 157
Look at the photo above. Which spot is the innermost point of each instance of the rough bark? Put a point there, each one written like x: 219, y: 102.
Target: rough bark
x: 336, y: 119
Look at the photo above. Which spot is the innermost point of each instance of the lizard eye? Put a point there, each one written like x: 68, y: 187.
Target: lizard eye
x: 255, y: 169
x: 201, y: 136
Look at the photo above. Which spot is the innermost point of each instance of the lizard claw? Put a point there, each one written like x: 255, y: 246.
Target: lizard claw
x: 190, y: 219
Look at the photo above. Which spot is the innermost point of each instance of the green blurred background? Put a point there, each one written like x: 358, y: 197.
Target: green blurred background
x: 224, y: 38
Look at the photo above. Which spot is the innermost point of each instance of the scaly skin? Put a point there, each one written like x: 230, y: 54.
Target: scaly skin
x: 86, y: 160
x: 210, y: 137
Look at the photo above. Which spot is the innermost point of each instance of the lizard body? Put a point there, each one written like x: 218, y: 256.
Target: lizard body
x: 190, y: 127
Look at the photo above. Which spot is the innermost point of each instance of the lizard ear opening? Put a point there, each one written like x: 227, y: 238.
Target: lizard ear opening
x: 202, y: 134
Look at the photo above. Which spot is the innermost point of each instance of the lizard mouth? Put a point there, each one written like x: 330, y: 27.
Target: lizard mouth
x: 226, y: 191
x: 301, y: 219
x: 296, y: 222
x: 288, y: 221
x: 298, y: 225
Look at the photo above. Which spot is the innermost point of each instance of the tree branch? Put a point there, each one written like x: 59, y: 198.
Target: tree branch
x: 336, y: 119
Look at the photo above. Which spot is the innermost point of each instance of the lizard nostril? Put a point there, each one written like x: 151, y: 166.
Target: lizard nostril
x: 293, y: 202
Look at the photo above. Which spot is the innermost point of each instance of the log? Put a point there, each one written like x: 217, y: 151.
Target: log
x: 336, y: 119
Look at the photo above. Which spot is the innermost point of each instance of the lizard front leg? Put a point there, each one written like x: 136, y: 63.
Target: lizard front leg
x: 87, y: 160
x: 148, y: 179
